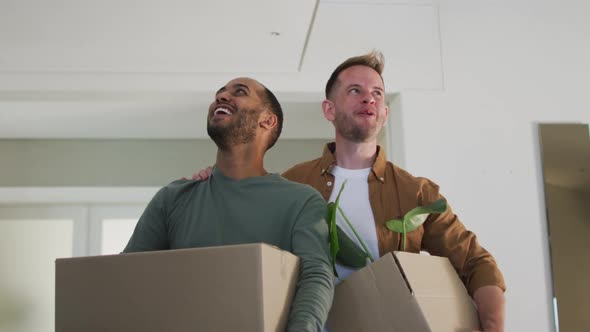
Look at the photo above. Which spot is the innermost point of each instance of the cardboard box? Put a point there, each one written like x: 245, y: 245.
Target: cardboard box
x: 403, y: 292
x: 230, y: 288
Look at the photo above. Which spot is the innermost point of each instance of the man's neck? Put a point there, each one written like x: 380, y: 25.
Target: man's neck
x: 240, y: 162
x: 353, y: 155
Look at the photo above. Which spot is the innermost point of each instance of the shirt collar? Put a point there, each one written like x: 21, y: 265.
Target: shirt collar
x: 328, y: 161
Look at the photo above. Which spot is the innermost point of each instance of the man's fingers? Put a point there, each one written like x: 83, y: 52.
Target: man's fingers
x: 203, y: 174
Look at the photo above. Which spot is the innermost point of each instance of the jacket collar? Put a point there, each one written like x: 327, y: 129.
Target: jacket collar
x: 328, y: 161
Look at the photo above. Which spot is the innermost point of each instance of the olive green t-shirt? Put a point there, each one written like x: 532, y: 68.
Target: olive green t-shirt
x: 269, y: 209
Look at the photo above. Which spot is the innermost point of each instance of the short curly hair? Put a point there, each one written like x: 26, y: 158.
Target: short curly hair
x: 275, y: 107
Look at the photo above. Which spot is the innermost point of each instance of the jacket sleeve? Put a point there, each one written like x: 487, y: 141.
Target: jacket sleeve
x: 445, y: 235
x: 315, y: 287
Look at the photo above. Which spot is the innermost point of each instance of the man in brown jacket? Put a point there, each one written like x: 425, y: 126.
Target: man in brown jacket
x: 377, y: 191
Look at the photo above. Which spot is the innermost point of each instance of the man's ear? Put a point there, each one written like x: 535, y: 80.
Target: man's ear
x: 329, y: 110
x: 269, y: 120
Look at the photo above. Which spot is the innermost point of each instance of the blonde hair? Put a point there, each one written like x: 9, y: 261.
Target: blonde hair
x: 373, y: 59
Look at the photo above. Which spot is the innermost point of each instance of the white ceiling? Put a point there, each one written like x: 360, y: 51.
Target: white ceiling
x: 148, y: 69
x: 156, y: 36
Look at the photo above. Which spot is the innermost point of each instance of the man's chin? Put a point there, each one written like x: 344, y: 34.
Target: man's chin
x: 358, y: 136
x: 217, y: 122
x: 216, y: 132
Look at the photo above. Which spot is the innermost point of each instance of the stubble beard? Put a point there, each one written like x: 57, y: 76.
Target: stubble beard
x: 350, y: 130
x: 239, y: 131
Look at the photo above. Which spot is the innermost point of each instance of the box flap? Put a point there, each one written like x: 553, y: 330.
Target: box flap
x: 375, y: 298
x: 440, y: 293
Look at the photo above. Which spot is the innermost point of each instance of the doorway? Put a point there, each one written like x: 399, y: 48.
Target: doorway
x: 565, y: 151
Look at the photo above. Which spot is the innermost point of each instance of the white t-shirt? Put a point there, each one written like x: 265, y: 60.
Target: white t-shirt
x: 355, y: 203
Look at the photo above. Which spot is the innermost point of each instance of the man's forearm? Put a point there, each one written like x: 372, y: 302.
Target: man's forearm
x: 490, y: 303
x: 312, y: 300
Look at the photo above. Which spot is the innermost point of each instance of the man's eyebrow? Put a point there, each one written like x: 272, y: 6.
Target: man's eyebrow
x: 355, y: 85
x: 235, y: 86
x: 240, y: 85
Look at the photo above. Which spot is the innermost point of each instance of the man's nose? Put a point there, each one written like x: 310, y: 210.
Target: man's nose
x: 222, y: 97
x: 368, y: 98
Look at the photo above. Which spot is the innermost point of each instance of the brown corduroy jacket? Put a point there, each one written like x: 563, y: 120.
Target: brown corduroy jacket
x: 392, y: 193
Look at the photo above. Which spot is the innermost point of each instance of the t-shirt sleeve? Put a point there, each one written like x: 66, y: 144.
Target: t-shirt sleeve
x: 315, y: 288
x: 151, y: 231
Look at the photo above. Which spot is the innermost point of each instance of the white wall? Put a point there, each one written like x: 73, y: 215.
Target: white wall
x: 124, y: 162
x: 508, y: 65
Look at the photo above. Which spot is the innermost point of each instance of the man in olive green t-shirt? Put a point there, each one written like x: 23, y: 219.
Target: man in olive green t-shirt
x: 242, y: 203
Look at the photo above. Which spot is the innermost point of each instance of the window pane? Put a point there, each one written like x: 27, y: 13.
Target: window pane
x: 116, y: 234
x: 28, y: 250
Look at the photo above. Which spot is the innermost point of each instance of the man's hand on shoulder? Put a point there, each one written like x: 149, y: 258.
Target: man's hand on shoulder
x: 201, y: 175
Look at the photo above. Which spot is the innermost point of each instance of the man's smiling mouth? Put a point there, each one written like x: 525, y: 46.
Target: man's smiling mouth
x: 222, y: 111
x: 366, y: 112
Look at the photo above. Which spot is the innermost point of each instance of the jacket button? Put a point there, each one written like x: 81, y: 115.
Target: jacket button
x: 382, y: 179
x: 329, y: 183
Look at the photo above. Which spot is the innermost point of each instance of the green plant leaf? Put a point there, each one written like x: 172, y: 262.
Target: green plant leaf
x: 332, y: 209
x: 337, y: 201
x: 333, y: 234
x: 342, y: 248
x: 418, y: 215
x: 356, y: 234
x: 415, y: 221
x: 350, y: 254
x: 414, y: 218
x: 438, y: 206
x: 395, y: 225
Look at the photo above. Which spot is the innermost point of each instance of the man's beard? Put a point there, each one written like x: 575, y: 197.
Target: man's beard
x: 239, y: 131
x: 349, y: 129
